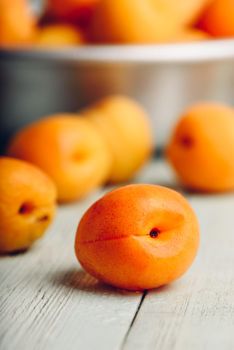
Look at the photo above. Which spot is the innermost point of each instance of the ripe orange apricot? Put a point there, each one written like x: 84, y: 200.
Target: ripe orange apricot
x: 186, y: 12
x: 201, y: 149
x: 17, y: 23
x: 189, y: 35
x: 59, y: 35
x: 138, y: 237
x: 27, y: 204
x: 125, y: 127
x: 69, y: 149
x: 127, y: 21
x: 218, y: 18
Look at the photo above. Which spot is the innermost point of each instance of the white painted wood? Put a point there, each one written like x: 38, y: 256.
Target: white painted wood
x: 48, y: 302
x: 196, y: 312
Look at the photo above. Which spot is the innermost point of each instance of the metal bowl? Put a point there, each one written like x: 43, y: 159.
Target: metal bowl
x: 164, y: 78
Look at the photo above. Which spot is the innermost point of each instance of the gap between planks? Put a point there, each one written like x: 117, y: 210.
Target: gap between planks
x: 133, y: 320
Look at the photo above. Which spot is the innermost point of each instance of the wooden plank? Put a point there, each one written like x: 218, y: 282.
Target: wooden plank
x: 197, y: 312
x: 48, y: 302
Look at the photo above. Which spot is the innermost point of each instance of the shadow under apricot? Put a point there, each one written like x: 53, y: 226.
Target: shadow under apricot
x: 186, y: 191
x: 204, y: 194
x: 79, y: 280
x: 14, y: 253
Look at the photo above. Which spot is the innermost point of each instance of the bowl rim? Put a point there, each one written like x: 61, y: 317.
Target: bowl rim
x: 203, y: 51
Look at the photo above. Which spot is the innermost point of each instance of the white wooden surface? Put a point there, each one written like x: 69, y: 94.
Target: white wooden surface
x: 48, y: 302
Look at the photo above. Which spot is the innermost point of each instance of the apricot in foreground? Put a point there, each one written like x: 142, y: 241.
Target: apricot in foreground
x: 27, y: 204
x: 138, y: 237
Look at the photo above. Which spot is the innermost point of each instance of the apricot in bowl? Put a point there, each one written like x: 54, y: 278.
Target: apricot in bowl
x: 58, y: 35
x: 17, y: 23
x: 218, y: 19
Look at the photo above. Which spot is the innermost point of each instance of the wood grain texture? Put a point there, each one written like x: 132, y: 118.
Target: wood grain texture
x: 196, y: 312
x: 48, y: 302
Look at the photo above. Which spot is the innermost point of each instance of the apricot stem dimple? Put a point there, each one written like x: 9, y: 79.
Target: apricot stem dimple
x: 186, y: 141
x: 154, y: 233
x: 26, y: 208
x: 79, y: 156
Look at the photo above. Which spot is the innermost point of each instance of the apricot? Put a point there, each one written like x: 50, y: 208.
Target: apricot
x: 185, y: 12
x: 17, y: 23
x: 27, y: 204
x: 59, y: 35
x: 69, y: 149
x: 138, y: 237
x: 127, y: 21
x: 218, y: 18
x: 189, y: 35
x: 201, y: 149
x: 125, y: 127
x: 79, y: 11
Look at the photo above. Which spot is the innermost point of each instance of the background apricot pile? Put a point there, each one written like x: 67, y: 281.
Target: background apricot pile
x: 76, y: 22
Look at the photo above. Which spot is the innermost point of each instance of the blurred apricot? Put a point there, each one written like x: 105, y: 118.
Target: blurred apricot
x: 59, y: 35
x: 78, y: 11
x: 17, y: 23
x: 138, y: 237
x: 218, y: 18
x: 201, y: 149
x: 127, y: 21
x: 69, y: 149
x: 185, y: 12
x: 126, y: 129
x: 27, y: 204
x: 189, y: 35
